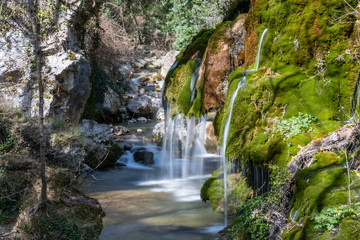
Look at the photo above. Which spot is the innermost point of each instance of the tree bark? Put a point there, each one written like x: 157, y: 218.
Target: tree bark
x: 33, y: 4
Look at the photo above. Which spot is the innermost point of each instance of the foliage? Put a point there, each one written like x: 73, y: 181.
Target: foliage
x: 7, y: 139
x: 56, y: 225
x: 12, y: 188
x: 331, y: 217
x: 295, y: 125
x: 166, y: 22
x: 252, y: 222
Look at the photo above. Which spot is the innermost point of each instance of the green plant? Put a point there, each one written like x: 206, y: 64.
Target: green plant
x: 295, y: 125
x: 331, y: 217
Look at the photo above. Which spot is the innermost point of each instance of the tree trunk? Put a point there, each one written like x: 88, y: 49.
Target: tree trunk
x: 37, y: 52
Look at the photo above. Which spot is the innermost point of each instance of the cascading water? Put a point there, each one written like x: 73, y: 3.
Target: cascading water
x: 257, y: 60
x: 184, y: 146
x: 240, y: 85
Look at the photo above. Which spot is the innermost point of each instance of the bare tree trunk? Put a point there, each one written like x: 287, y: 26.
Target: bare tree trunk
x: 37, y: 51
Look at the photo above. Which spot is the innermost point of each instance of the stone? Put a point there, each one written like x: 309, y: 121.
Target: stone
x: 120, y: 130
x: 158, y: 133
x: 141, y: 119
x: 217, y: 62
x: 165, y: 62
x: 126, y: 70
x: 143, y: 105
x: 144, y: 157
x: 160, y: 115
x: 66, y: 70
x: 112, y: 102
x: 139, y: 130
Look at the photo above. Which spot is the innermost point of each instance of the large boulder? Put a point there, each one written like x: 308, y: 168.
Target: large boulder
x: 144, y: 105
x: 112, y: 102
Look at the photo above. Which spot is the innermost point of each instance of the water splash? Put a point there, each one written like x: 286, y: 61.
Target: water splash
x: 257, y: 60
x: 183, y: 146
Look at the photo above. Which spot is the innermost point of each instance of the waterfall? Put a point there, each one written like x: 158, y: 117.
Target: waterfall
x: 183, y: 146
x: 257, y: 60
x: 240, y: 85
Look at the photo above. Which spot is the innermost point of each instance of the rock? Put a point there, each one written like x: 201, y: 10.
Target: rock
x: 160, y: 115
x: 139, y: 130
x: 97, y: 132
x: 144, y: 157
x: 126, y: 70
x: 143, y: 105
x: 120, y: 130
x: 211, y: 140
x: 142, y: 91
x: 112, y: 102
x: 141, y: 119
x: 166, y: 62
x: 217, y: 61
x: 65, y: 68
x: 158, y: 133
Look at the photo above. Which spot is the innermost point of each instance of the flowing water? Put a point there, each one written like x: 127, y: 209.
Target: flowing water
x: 146, y: 202
x: 257, y: 61
x: 241, y: 84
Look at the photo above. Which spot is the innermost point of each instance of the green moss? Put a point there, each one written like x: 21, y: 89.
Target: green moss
x: 319, y: 187
x: 196, y: 108
x: 213, y: 190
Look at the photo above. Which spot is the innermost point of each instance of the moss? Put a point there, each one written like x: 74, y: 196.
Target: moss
x: 183, y: 93
x: 213, y: 190
x: 319, y: 187
x: 196, y: 108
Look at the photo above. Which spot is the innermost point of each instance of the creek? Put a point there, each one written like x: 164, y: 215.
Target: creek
x: 142, y: 202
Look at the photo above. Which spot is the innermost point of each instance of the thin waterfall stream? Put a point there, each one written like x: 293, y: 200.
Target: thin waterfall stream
x: 240, y: 85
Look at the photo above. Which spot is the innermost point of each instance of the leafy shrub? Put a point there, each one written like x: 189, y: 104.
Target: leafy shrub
x: 331, y: 217
x: 295, y: 125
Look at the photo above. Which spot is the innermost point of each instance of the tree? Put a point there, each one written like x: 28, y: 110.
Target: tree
x: 31, y: 18
x: 35, y: 24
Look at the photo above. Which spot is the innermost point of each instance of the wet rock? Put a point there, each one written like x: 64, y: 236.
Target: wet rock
x: 144, y: 157
x: 139, y: 130
x: 141, y: 119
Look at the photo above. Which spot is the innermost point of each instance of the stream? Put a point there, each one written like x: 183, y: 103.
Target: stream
x: 141, y: 203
